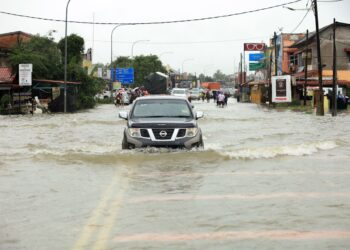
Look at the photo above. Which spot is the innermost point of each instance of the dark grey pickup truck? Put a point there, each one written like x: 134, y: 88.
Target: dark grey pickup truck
x: 161, y: 121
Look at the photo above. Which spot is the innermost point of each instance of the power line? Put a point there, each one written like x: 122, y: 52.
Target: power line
x: 302, y: 20
x: 189, y: 42
x: 160, y: 22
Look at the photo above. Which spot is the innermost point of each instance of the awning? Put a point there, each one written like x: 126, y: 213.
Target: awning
x: 55, y: 82
x: 324, y: 82
x: 258, y: 83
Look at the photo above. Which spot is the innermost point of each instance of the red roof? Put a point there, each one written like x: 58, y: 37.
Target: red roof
x: 6, y: 75
x: 8, y: 40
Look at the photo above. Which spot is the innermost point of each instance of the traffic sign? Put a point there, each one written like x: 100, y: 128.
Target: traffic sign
x: 25, y: 74
x: 256, y: 66
x: 124, y: 75
x: 256, y: 57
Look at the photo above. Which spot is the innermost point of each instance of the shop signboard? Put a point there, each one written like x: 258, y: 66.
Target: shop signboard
x: 254, y: 46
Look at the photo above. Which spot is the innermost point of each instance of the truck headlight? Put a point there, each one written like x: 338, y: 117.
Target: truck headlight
x: 134, y: 132
x: 191, y: 132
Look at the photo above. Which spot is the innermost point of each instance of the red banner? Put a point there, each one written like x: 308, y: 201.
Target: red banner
x: 254, y: 46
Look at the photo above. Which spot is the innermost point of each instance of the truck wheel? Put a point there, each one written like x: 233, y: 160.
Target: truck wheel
x: 200, y: 143
x: 125, y: 144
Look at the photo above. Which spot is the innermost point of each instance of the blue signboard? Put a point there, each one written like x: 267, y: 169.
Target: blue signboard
x: 256, y: 57
x: 124, y: 75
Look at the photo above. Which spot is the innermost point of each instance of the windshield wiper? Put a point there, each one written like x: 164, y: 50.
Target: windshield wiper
x: 151, y: 116
x: 167, y: 116
x: 180, y: 116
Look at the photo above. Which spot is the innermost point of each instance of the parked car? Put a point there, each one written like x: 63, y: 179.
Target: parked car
x: 195, y: 94
x: 161, y: 121
x: 103, y: 95
x: 180, y: 92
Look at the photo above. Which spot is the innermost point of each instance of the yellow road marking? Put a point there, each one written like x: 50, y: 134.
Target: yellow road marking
x: 88, y: 230
x: 109, y: 221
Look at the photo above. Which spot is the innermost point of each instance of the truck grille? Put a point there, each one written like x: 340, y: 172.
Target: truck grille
x: 144, y: 133
x: 163, y: 134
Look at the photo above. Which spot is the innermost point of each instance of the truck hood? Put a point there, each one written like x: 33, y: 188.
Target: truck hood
x: 164, y: 122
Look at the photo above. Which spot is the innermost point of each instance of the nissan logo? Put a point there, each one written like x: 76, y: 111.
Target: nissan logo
x: 162, y: 133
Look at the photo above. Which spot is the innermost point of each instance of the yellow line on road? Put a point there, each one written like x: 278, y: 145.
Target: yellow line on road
x: 89, y: 229
x: 109, y: 221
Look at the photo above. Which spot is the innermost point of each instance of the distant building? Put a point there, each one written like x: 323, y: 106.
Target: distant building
x: 87, y: 61
x: 285, y: 60
x: 8, y: 41
x: 342, y: 41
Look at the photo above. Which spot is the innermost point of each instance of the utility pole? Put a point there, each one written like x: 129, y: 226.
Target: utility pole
x: 65, y: 61
x: 240, y: 78
x: 111, y: 67
x: 270, y: 78
x: 275, y: 42
x: 240, y: 72
x: 334, y: 96
x: 305, y: 65
x: 320, y: 107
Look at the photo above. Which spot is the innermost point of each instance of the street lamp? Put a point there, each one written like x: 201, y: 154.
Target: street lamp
x: 65, y: 61
x: 118, y: 25
x: 133, y: 44
x: 183, y: 62
x: 110, y: 87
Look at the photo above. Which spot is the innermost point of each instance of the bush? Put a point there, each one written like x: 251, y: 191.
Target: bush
x: 85, y: 102
x: 4, y: 102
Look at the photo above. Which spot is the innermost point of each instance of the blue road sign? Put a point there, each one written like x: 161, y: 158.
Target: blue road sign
x: 256, y: 57
x: 124, y: 75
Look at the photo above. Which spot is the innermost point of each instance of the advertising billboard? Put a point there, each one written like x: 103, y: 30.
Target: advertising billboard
x: 281, y: 89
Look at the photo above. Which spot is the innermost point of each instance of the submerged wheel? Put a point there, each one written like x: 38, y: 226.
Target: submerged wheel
x: 125, y: 144
x: 200, y: 143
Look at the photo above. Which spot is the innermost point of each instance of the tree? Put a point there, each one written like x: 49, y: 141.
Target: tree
x: 122, y: 62
x: 204, y: 78
x: 43, y: 53
x: 46, y: 57
x: 219, y: 76
x: 75, y: 48
x: 143, y: 66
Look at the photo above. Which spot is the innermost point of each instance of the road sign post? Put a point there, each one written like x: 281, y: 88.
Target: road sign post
x: 24, y: 78
x: 25, y: 74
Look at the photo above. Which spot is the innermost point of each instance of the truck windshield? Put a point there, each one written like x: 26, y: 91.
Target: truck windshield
x: 161, y: 108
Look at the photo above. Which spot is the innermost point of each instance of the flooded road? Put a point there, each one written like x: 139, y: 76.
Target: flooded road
x: 266, y: 179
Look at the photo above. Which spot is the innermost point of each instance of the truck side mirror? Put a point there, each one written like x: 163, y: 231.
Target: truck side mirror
x: 199, y: 114
x: 123, y: 115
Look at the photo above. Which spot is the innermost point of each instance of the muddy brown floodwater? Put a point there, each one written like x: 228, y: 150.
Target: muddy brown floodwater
x: 266, y: 179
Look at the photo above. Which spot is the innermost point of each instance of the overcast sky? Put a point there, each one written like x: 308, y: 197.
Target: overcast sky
x: 200, y: 47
